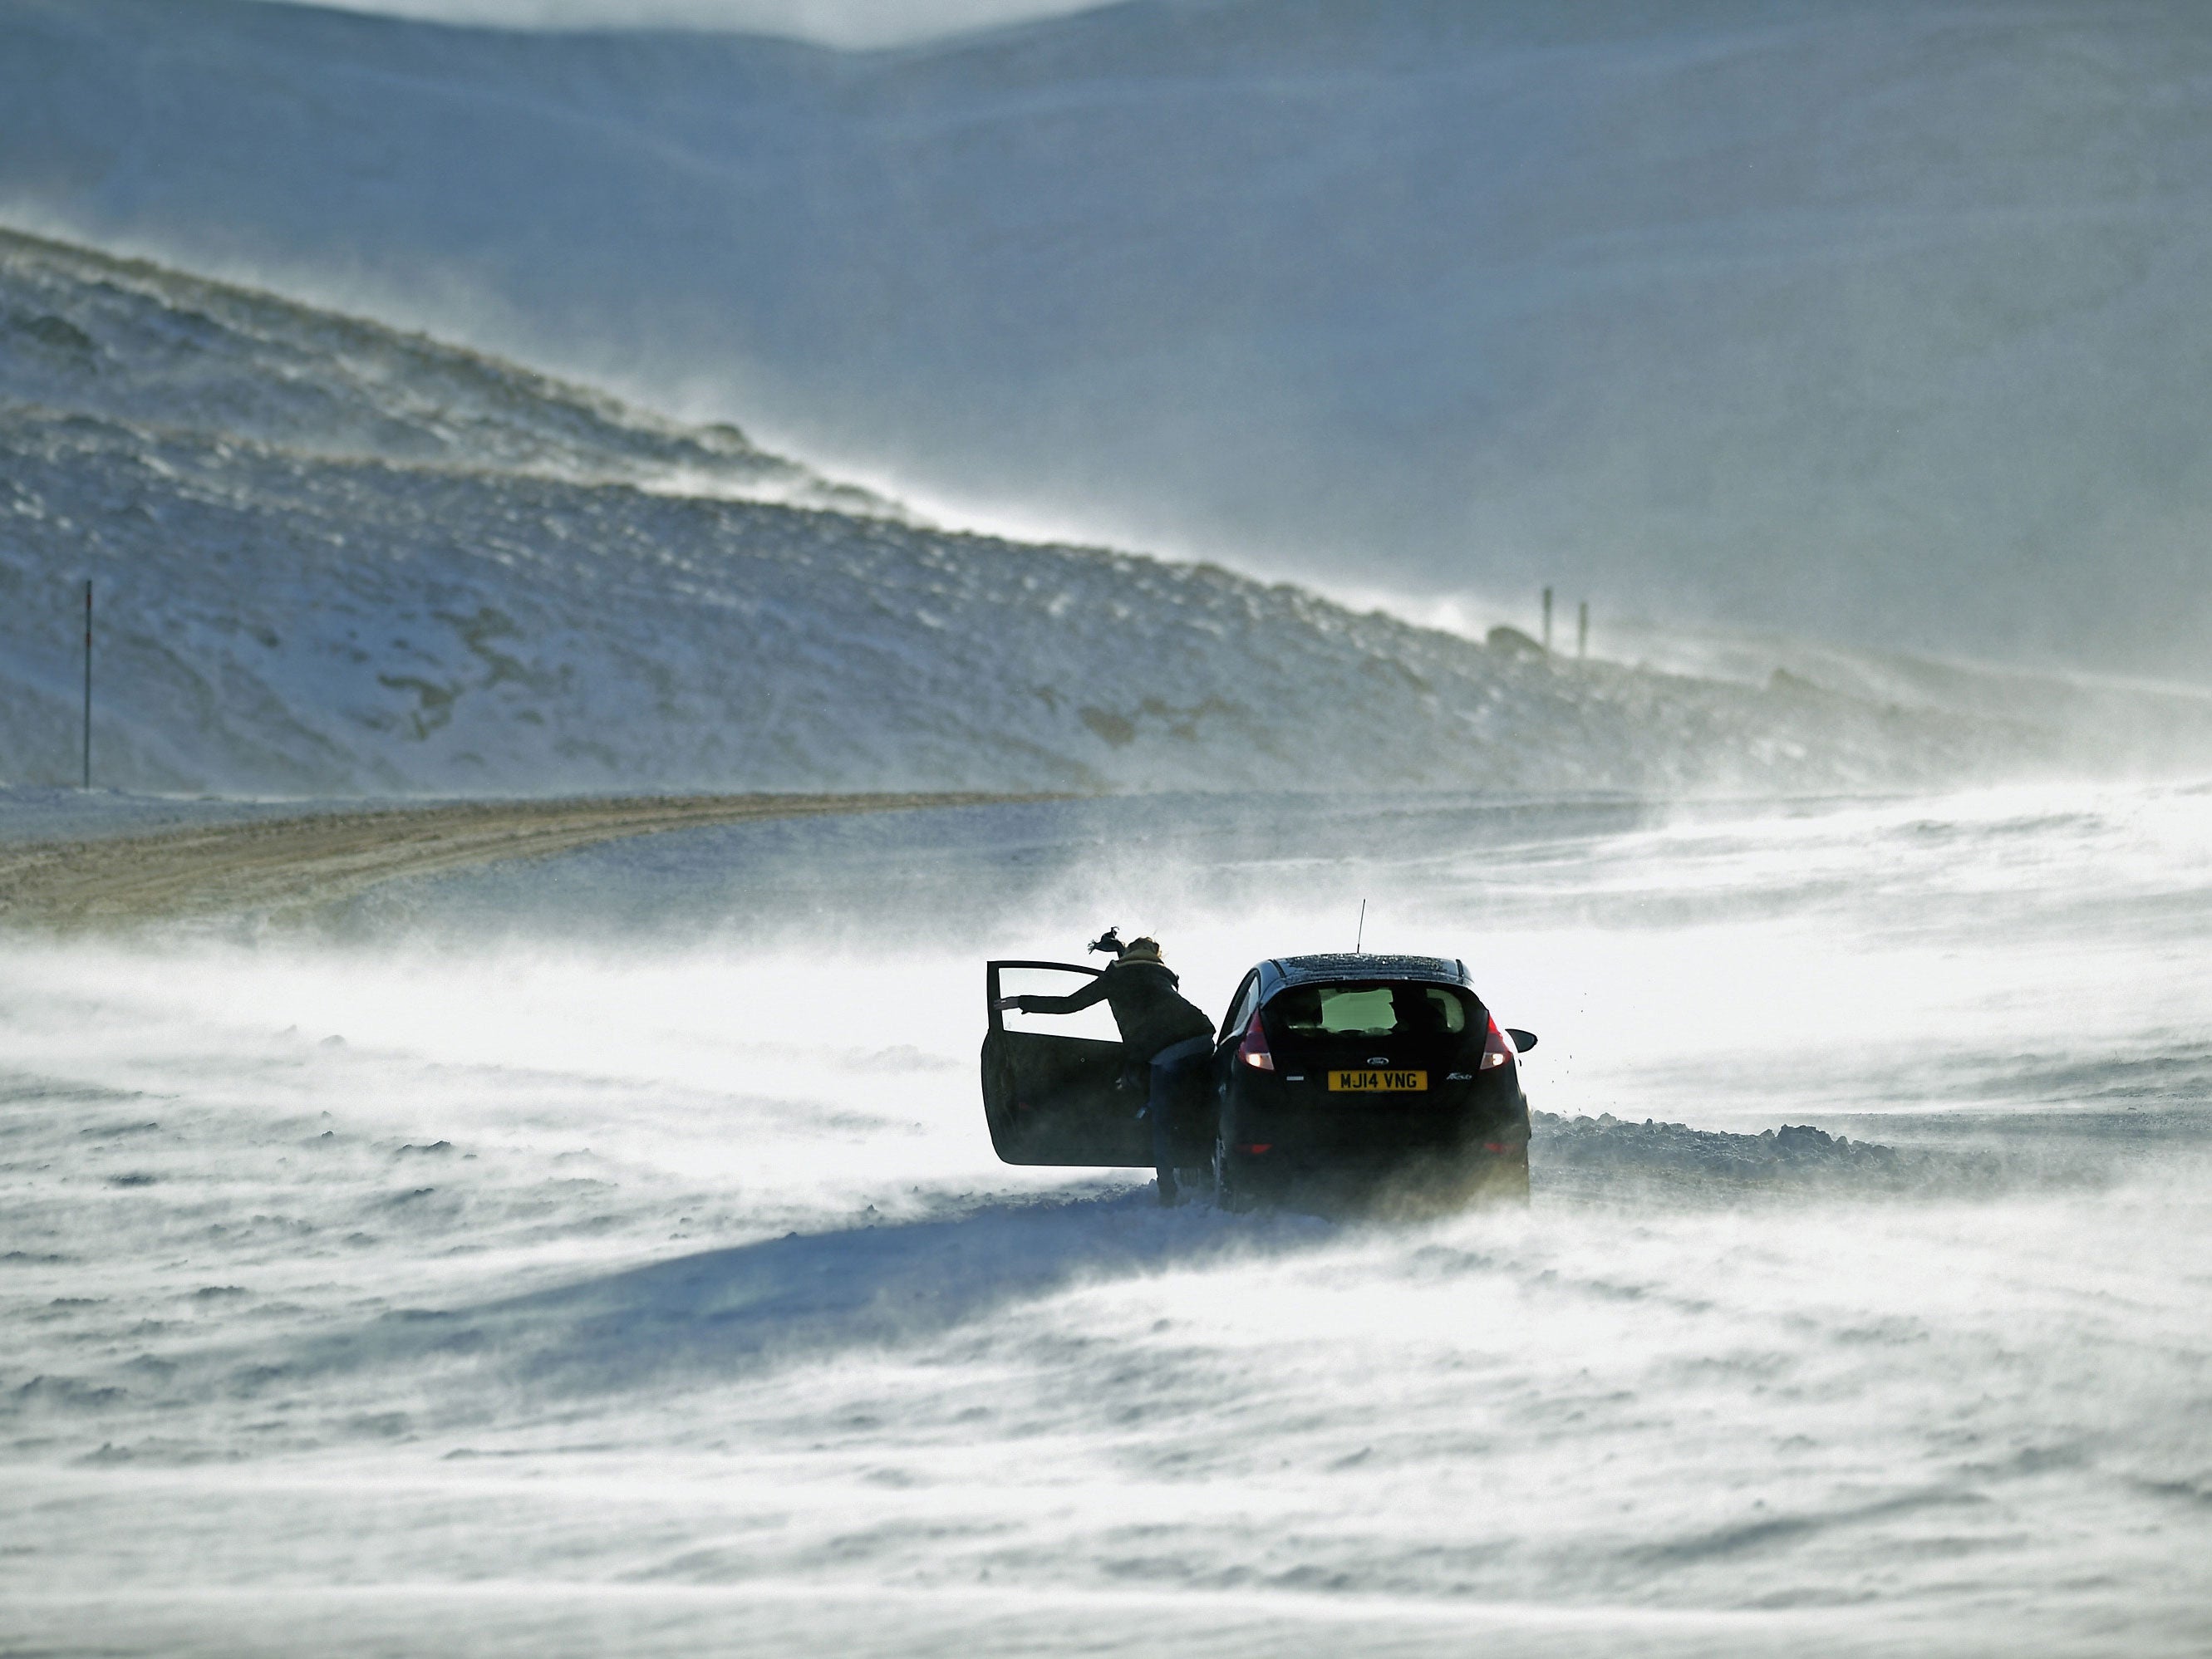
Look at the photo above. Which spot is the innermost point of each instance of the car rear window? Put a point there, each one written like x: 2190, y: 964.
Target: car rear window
x: 1371, y: 1010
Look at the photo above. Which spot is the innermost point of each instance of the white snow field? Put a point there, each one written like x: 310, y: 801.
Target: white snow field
x: 606, y: 1256
x: 332, y: 559
x: 1871, y: 320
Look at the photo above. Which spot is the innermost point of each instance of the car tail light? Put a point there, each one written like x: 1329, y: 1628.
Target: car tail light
x: 1253, y: 1051
x: 1496, y: 1048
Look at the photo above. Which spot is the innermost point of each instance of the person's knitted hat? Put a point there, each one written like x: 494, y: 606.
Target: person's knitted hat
x: 1141, y: 950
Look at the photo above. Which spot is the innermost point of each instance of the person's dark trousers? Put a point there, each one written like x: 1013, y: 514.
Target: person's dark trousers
x: 1170, y: 1076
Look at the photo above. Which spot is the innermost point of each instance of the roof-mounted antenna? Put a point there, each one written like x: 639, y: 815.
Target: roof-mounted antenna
x: 1361, y: 938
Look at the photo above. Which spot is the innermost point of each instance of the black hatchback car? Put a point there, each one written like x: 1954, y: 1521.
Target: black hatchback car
x: 1329, y: 1072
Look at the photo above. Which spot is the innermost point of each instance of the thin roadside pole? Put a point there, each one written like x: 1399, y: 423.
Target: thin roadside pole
x: 88, y: 682
x: 1547, y: 619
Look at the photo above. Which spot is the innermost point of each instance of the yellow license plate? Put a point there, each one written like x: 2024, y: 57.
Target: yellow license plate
x: 1378, y: 1082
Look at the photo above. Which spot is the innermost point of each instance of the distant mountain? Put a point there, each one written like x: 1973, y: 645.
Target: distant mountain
x: 332, y: 558
x: 1876, y: 320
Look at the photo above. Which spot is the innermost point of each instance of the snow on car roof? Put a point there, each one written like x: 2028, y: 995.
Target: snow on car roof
x: 1346, y: 964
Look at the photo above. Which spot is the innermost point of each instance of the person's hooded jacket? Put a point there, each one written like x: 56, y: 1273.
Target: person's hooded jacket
x: 1151, y: 1013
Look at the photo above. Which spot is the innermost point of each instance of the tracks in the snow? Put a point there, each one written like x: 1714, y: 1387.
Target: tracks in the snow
x: 287, y: 865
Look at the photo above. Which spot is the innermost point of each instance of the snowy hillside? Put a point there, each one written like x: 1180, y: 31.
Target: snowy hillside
x: 124, y: 340
x: 1877, y: 322
x: 334, y: 559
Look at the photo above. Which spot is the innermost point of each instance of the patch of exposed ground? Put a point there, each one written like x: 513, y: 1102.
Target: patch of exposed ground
x: 279, y: 865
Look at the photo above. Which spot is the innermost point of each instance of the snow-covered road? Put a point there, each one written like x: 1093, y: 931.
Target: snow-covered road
x: 605, y: 1254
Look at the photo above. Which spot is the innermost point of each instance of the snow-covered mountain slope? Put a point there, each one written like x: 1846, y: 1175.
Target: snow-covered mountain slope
x: 1870, y: 320
x: 125, y: 340
x: 332, y: 558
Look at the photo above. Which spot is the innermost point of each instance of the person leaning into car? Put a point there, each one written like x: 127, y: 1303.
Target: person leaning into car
x: 1162, y: 1031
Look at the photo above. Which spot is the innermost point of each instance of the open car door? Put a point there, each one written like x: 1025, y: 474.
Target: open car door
x: 1048, y: 1084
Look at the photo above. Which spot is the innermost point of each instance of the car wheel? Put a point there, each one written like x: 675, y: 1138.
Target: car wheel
x: 1505, y: 1181
x: 1227, y: 1194
x: 1516, y: 1182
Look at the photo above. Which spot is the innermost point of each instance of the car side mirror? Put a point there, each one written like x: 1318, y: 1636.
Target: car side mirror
x: 1524, y: 1041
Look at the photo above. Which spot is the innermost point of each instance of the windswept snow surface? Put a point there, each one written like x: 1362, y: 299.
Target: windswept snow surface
x: 332, y: 559
x: 1862, y: 319
x: 607, y: 1256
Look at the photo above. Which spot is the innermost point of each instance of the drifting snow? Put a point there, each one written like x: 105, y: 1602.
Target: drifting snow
x: 611, y: 1257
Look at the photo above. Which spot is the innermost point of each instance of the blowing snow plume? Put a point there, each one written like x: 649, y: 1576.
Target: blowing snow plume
x: 1876, y: 322
x: 340, y: 559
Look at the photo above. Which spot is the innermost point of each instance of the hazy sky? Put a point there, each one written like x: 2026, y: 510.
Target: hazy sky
x: 841, y: 23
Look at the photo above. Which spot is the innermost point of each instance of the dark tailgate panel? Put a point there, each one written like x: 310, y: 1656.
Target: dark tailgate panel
x: 1312, y: 1123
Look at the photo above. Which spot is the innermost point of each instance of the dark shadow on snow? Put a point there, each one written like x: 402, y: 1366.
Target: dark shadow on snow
x: 739, y: 1310
x: 799, y: 1297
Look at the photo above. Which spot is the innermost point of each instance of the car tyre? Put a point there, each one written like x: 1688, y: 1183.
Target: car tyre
x: 1228, y: 1193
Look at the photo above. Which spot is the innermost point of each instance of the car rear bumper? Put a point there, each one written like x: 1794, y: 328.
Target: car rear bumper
x: 1448, y: 1174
